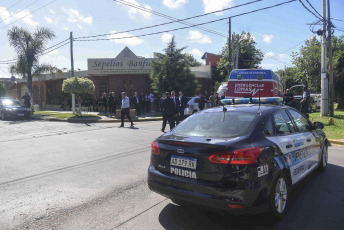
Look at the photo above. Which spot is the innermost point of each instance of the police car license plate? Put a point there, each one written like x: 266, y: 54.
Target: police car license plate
x: 20, y: 114
x: 185, y: 162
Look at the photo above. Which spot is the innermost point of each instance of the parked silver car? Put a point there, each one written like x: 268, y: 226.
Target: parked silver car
x: 192, y: 106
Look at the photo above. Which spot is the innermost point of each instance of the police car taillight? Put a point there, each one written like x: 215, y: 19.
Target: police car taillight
x: 155, y: 148
x: 237, y: 157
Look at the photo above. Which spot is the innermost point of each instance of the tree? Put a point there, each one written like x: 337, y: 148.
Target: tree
x: 171, y: 72
x: 249, y: 57
x: 78, y: 85
x: 308, y: 64
x: 191, y: 61
x: 29, y: 47
x: 338, y: 67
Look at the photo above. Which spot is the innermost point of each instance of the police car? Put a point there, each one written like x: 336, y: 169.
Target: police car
x: 237, y: 158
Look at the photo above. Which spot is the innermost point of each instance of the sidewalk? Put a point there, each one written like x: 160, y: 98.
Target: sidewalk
x: 101, y: 117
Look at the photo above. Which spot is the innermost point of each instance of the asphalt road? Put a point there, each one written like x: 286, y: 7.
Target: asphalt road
x: 56, y: 175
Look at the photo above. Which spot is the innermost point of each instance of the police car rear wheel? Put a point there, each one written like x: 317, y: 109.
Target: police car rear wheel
x: 324, y: 158
x: 279, y: 197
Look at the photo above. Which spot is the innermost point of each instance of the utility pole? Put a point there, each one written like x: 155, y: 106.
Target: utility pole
x: 237, y: 53
x: 324, y: 79
x: 229, y: 44
x: 285, y: 78
x: 233, y: 51
x: 329, y: 27
x: 72, y: 68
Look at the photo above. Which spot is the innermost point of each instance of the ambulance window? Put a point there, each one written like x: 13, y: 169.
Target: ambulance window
x: 283, y: 124
x: 301, y: 122
x: 268, y: 128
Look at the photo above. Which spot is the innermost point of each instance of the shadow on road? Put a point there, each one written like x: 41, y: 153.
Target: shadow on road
x: 316, y: 203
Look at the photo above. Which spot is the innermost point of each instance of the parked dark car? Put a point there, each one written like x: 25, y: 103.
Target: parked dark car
x: 238, y: 159
x: 13, y: 108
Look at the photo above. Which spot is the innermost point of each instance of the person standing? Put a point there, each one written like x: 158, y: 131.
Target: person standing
x: 305, y: 102
x: 152, y: 100
x: 104, y: 102
x: 201, y: 103
x: 136, y: 103
x: 168, y: 111
x: 111, y: 103
x: 27, y: 100
x: 288, y: 98
x: 182, y: 105
x: 212, y: 100
x: 125, y: 109
x: 176, y: 103
x: 142, y: 103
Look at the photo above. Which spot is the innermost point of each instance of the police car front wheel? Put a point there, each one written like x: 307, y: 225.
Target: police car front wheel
x: 324, y: 158
x: 279, y: 197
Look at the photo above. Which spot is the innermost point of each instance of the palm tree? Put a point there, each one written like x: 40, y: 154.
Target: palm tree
x: 29, y: 48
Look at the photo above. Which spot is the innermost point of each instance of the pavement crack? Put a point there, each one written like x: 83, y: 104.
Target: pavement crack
x: 133, y: 217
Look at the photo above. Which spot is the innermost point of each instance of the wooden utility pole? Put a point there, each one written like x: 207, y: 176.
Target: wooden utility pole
x: 324, y: 79
x: 329, y: 27
x: 72, y: 68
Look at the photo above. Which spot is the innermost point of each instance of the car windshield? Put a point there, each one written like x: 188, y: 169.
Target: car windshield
x: 8, y: 102
x: 216, y: 124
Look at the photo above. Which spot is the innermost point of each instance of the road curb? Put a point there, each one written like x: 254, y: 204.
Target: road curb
x: 336, y: 142
x: 80, y: 120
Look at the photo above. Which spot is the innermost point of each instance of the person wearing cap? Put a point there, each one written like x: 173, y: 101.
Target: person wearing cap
x: 288, y: 98
x: 125, y: 107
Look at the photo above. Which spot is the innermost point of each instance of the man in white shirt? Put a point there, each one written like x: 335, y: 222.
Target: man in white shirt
x: 152, y: 99
x: 125, y: 107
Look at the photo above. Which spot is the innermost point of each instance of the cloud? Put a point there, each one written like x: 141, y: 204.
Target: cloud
x: 133, y: 11
x: 269, y: 66
x: 198, y: 37
x: 196, y: 52
x: 52, y: 11
x: 22, y: 15
x: 212, y: 5
x: 75, y: 16
x: 174, y: 4
x: 48, y: 20
x: 132, y: 41
x: 165, y: 37
x: 283, y: 55
x: 271, y: 54
x: 267, y: 38
x: 79, y: 26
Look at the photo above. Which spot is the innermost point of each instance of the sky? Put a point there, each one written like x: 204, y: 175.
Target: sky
x: 278, y: 31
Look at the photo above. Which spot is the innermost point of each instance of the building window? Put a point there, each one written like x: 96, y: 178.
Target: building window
x: 102, y: 88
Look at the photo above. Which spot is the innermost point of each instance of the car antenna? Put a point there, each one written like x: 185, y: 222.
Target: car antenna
x: 224, y: 109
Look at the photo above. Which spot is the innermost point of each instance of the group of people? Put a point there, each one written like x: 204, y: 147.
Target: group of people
x: 172, y: 108
x: 303, y: 105
x: 213, y: 98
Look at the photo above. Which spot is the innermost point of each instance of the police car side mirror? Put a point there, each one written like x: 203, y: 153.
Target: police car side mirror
x: 318, y: 125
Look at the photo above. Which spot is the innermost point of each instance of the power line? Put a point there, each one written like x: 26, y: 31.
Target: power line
x: 66, y: 43
x: 338, y: 19
x: 19, y: 11
x: 321, y: 18
x: 221, y: 19
x: 314, y: 9
x: 11, y: 6
x: 166, y: 16
x: 28, y: 14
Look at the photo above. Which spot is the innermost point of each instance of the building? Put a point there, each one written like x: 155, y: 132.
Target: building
x: 126, y: 72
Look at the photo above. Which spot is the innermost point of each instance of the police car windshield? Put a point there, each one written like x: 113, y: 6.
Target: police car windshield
x: 216, y: 124
x: 9, y: 102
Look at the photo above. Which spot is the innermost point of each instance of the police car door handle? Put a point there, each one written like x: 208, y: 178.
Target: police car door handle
x: 289, y: 146
x: 309, y: 140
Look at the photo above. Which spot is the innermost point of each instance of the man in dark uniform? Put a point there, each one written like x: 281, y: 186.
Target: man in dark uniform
x: 305, y: 102
x: 288, y: 98
x: 142, y: 103
x: 201, y: 103
x: 182, y: 105
x: 176, y: 103
x: 168, y: 111
x: 27, y: 100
